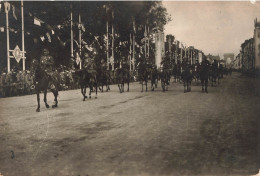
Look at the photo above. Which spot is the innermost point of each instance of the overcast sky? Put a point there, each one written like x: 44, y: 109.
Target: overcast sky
x: 213, y: 27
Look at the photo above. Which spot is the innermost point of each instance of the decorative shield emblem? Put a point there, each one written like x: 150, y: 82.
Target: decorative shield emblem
x: 17, y: 53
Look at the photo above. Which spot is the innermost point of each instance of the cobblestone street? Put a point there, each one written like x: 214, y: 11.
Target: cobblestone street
x: 134, y: 133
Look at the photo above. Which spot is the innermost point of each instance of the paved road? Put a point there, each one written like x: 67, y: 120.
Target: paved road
x: 150, y: 133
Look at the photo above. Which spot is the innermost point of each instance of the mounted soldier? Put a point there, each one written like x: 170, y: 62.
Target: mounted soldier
x: 47, y: 62
x: 204, y: 74
x: 47, y: 65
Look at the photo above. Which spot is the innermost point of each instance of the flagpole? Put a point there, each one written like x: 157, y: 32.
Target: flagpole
x: 80, y: 40
x: 133, y: 59
x: 145, y: 41
x: 113, y: 38
x: 23, y: 35
x: 71, y: 32
x: 107, y: 48
x: 130, y: 65
x: 7, y: 7
x: 148, y: 34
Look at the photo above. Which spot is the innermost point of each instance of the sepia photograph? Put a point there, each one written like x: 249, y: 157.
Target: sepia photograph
x: 129, y: 88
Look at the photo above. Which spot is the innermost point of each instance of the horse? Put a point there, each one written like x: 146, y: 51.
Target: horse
x: 164, y: 76
x: 204, y: 75
x: 43, y: 81
x: 104, y: 79
x: 122, y: 76
x: 154, y: 78
x: 143, y: 74
x: 214, y: 75
x: 86, y: 79
x: 186, y: 77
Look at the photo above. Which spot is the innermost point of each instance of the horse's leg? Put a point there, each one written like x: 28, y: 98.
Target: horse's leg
x: 123, y: 87
x: 38, y: 100
x: 119, y: 86
x: 146, y: 84
x: 202, y: 85
x: 90, y: 89
x: 55, y: 93
x: 45, y: 98
x: 206, y: 86
x: 83, y: 92
x: 96, y: 90
x: 142, y: 86
x: 184, y: 85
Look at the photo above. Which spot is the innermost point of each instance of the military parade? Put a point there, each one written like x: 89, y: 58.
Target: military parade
x: 129, y: 88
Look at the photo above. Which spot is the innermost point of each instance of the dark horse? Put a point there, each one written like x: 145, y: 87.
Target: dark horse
x: 153, y: 77
x: 186, y: 76
x: 122, y: 76
x: 104, y: 79
x: 204, y: 74
x: 214, y: 75
x: 86, y: 79
x: 164, y: 76
x: 143, y: 74
x: 43, y: 82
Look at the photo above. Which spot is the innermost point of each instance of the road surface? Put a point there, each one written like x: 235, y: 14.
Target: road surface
x: 134, y: 133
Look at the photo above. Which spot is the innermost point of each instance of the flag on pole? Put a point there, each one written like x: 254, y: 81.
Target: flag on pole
x: 134, y: 25
x: 145, y: 32
x: 36, y: 21
x: 2, y: 29
x: 15, y: 17
x: 48, y: 36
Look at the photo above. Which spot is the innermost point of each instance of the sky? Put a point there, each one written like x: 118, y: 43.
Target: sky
x: 213, y: 27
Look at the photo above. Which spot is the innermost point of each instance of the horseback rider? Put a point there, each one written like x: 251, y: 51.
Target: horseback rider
x: 90, y: 65
x: 47, y: 65
x: 47, y: 62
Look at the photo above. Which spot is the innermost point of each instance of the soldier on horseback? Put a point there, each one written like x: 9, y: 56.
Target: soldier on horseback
x: 90, y: 66
x: 47, y: 62
x: 47, y: 65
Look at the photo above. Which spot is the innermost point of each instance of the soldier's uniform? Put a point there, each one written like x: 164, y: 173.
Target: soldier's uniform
x: 90, y: 66
x: 47, y: 62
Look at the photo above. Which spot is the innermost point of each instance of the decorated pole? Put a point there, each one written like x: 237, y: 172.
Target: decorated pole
x: 133, y: 59
x: 23, y: 35
x: 148, y: 43
x: 7, y: 8
x: 113, y: 40
x: 145, y: 42
x: 107, y: 47
x: 80, y: 27
x: 130, y: 49
x: 71, y: 32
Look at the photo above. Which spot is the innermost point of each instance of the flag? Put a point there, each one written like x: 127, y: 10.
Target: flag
x: 36, y: 21
x: 13, y: 7
x: 48, y: 36
x: 134, y: 26
x: 83, y: 28
x: 145, y: 32
x: 42, y: 38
